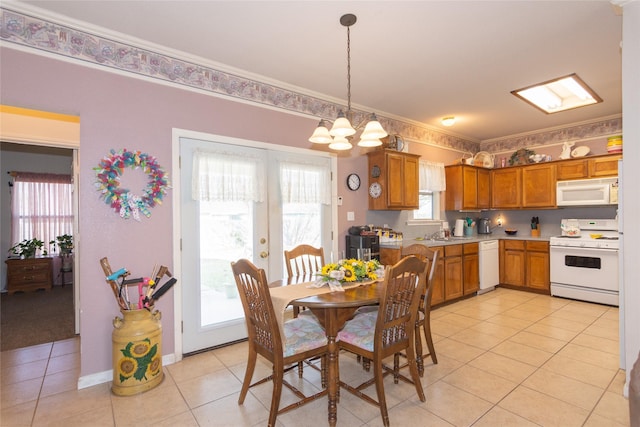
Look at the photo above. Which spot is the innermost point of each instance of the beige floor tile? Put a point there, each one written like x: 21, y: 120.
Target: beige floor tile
x: 590, y: 355
x: 479, y: 312
x: 25, y: 355
x: 407, y: 414
x: 603, y: 332
x: 18, y: 415
x: 101, y: 416
x: 59, y: 382
x: 459, y: 320
x: 26, y: 371
x: 541, y: 342
x: 567, y: 389
x: 185, y: 419
x: 21, y: 392
x: 195, y: 366
x: 587, y: 308
x: 72, y: 403
x: 597, y: 343
x: 510, y: 321
x: 503, y: 367
x: 552, y: 332
x: 444, y: 329
x: 581, y: 371
x: 559, y: 322
x: 522, y: 353
x: 542, y: 409
x: 206, y: 388
x: 498, y: 417
x: 232, y: 355
x: 453, y: 405
x: 72, y: 345
x: 586, y: 319
x: 596, y: 420
x: 476, y: 339
x: 481, y: 383
x: 613, y: 313
x: 613, y: 406
x: 433, y: 373
x: 545, y: 301
x: 618, y: 383
x: 227, y: 412
x: 495, y: 329
x: 154, y: 405
x: 66, y: 362
x: 458, y: 350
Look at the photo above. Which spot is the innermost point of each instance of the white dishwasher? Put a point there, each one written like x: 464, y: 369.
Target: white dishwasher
x: 489, y: 265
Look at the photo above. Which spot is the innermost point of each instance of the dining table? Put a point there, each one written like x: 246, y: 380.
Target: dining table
x: 332, y: 309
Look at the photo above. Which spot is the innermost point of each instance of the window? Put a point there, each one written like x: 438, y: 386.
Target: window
x: 432, y: 183
x: 41, y: 207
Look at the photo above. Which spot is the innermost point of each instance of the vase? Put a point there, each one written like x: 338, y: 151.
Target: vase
x: 137, y: 352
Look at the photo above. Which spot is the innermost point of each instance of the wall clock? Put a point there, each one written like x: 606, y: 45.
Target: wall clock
x: 375, y: 190
x: 353, y: 181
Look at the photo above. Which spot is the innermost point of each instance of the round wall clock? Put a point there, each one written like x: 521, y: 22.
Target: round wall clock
x: 375, y: 190
x: 353, y: 181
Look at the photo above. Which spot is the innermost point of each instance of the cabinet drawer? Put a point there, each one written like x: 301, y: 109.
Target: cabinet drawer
x: 537, y: 246
x: 28, y: 277
x: 470, y: 248
x: 452, y: 250
x: 517, y: 245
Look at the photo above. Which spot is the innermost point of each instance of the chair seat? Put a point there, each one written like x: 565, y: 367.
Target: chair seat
x: 308, y: 315
x: 368, y: 309
x: 359, y: 331
x: 301, y: 335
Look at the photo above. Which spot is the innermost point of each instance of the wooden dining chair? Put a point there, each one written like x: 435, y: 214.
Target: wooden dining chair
x: 304, y: 260
x: 390, y: 331
x: 424, y: 315
x: 303, y: 339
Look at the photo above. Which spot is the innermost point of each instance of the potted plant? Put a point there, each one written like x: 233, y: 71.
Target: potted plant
x: 27, y: 248
x: 65, y: 243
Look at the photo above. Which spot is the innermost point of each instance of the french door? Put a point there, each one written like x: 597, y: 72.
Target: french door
x: 215, y: 233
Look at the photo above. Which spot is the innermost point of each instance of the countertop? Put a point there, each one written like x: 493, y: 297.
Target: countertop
x: 467, y: 239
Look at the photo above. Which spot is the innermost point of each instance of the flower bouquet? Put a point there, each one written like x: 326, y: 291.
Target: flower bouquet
x: 348, y: 271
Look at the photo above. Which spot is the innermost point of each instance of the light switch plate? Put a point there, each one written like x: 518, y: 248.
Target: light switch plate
x: 351, y: 216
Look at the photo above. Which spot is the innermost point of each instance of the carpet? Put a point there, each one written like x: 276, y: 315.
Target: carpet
x: 30, y: 318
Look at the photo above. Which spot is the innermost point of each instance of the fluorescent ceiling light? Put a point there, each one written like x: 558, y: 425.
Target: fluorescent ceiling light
x: 448, y: 121
x: 563, y: 93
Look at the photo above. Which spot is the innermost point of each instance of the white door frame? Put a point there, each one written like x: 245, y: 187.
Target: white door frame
x: 176, y: 197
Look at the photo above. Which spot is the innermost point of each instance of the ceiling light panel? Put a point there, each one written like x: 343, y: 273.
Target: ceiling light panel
x: 561, y: 94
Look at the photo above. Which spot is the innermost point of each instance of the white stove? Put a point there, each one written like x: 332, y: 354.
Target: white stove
x: 584, y: 260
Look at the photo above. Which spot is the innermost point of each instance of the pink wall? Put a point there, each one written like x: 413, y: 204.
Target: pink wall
x: 121, y: 112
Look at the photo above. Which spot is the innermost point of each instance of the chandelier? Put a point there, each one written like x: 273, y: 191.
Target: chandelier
x: 342, y: 131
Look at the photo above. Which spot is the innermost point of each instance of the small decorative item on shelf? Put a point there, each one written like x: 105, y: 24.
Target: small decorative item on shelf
x: 511, y: 232
x: 27, y: 248
x: 521, y: 157
x: 348, y: 271
x: 614, y: 144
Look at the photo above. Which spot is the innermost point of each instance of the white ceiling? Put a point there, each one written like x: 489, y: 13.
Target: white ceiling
x: 414, y: 60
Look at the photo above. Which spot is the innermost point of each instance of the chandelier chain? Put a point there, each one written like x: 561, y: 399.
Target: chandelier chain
x: 349, y: 70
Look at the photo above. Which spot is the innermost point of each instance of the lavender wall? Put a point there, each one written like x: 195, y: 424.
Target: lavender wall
x: 120, y: 112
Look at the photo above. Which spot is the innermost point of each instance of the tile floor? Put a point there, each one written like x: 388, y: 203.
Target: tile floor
x: 506, y: 358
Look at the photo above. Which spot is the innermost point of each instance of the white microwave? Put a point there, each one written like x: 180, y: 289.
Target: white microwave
x: 587, y: 192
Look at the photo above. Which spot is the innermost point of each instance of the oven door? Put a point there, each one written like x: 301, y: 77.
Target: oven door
x: 584, y: 267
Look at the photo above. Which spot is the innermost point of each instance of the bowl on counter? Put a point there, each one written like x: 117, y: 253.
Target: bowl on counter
x: 511, y: 232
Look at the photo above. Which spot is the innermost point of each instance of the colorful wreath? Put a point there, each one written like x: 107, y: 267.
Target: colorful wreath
x: 122, y: 200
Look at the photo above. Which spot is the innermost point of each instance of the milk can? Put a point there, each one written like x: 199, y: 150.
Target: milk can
x: 137, y: 352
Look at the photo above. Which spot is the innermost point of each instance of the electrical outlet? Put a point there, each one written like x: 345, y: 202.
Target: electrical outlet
x: 499, y: 222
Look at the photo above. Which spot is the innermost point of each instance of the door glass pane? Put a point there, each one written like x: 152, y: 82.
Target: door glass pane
x: 226, y: 234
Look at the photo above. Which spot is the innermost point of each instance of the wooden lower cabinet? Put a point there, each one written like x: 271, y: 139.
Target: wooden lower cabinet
x: 29, y: 274
x: 453, y: 272
x: 471, y: 268
x: 525, y: 264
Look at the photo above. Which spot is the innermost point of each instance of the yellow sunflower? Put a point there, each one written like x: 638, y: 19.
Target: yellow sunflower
x: 140, y: 349
x: 349, y: 273
x: 328, y: 268
x: 154, y: 366
x: 127, y: 366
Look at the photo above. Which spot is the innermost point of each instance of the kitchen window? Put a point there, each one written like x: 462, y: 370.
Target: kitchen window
x: 432, y: 183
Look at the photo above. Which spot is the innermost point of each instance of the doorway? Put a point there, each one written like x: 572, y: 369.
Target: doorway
x: 219, y: 225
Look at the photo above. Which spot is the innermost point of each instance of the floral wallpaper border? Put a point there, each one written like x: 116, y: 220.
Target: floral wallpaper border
x: 37, y: 33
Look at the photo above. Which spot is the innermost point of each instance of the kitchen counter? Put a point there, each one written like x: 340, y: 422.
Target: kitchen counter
x: 466, y: 239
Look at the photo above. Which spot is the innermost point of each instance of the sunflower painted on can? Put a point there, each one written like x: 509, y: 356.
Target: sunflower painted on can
x: 154, y: 367
x: 127, y: 366
x: 139, y: 359
x: 140, y: 349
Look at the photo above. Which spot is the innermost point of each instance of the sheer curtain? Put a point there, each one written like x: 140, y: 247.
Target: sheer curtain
x: 432, y: 176
x: 305, y: 183
x: 41, y: 206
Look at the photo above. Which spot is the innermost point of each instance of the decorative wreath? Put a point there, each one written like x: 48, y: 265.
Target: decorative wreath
x: 122, y: 200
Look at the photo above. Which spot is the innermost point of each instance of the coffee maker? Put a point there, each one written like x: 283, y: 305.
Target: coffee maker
x: 361, y: 237
x: 484, y: 226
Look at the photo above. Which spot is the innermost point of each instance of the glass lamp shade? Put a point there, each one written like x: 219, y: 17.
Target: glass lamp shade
x: 321, y: 134
x: 340, y: 143
x: 373, y: 129
x: 342, y: 126
x: 369, y: 142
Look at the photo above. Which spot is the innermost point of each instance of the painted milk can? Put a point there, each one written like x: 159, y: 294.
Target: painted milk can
x: 137, y: 352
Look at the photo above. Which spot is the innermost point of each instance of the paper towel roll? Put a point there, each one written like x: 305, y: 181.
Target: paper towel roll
x: 459, y: 230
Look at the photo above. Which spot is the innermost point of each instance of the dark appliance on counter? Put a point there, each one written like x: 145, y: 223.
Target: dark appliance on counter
x: 361, y: 237
x: 484, y: 226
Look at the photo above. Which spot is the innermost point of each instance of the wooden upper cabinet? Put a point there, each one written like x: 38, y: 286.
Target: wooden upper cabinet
x: 397, y: 174
x: 583, y: 168
x: 506, y: 187
x: 539, y: 186
x: 468, y: 187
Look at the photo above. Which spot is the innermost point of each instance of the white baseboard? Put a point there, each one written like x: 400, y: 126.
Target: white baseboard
x: 106, y: 376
